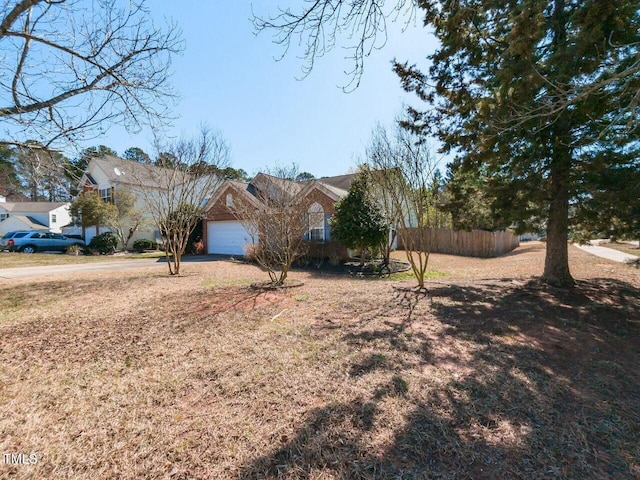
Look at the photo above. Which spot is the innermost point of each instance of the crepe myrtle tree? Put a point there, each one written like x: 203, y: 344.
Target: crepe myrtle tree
x: 402, y: 168
x: 276, y: 220
x: 176, y: 189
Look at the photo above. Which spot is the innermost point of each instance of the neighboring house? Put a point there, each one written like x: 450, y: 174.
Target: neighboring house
x: 107, y: 175
x: 223, y: 233
x: 34, y: 216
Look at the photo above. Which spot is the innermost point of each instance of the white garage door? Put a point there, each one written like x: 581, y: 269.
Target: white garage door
x: 227, y: 238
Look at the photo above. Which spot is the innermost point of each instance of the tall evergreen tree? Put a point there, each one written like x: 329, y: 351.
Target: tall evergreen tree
x: 136, y: 154
x: 534, y: 93
x: 9, y: 181
x: 42, y: 173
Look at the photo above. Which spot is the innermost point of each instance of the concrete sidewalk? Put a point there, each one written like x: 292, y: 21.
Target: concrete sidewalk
x: 608, y: 253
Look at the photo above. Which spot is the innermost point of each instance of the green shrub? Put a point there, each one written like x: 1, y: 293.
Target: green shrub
x: 143, y: 244
x: 104, y: 243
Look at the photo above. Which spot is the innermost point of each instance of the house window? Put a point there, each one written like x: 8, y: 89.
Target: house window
x: 105, y: 194
x: 316, y: 222
x: 3, y: 216
x: 229, y: 200
x: 53, y: 218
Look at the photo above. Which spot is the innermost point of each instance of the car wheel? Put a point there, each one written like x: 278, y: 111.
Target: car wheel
x: 28, y: 249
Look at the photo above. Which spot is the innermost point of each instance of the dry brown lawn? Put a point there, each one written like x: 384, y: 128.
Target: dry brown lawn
x: 140, y: 375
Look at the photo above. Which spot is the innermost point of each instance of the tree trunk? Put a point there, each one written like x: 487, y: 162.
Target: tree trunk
x: 556, y: 262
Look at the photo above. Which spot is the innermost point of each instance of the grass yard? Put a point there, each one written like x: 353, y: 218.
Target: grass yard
x: 139, y: 375
x: 17, y: 259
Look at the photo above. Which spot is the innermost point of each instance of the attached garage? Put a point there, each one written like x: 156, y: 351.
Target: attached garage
x: 227, y: 238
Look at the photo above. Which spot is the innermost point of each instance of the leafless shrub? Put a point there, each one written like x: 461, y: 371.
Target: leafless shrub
x: 402, y: 168
x: 275, y: 221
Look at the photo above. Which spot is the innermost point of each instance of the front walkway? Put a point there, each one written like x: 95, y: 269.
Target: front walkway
x: 604, y: 252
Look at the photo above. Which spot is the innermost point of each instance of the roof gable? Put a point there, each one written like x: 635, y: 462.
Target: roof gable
x: 270, y: 186
x: 241, y: 188
x: 22, y: 222
x: 267, y: 185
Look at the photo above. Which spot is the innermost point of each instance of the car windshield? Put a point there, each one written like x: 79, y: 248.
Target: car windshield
x: 8, y: 235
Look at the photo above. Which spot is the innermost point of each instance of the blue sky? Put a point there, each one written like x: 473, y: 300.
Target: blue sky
x: 228, y: 78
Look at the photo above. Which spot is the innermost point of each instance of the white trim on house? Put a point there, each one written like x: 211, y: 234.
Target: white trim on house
x: 316, y: 223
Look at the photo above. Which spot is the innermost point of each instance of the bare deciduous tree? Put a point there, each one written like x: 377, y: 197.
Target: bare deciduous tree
x: 317, y: 25
x: 176, y: 191
x: 275, y: 221
x: 401, y: 168
x: 71, y: 67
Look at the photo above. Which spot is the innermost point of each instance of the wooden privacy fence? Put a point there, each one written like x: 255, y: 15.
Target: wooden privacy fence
x: 477, y: 243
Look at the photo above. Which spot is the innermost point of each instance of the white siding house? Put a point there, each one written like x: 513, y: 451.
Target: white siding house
x: 34, y: 216
x: 106, y: 175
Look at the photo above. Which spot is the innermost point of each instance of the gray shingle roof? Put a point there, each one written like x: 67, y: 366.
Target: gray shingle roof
x: 119, y: 170
x: 31, y: 207
x: 340, y: 182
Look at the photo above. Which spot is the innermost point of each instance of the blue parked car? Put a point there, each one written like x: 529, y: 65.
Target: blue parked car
x: 29, y: 241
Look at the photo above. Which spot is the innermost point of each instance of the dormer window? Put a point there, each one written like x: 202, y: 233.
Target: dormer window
x: 316, y: 222
x: 229, y: 200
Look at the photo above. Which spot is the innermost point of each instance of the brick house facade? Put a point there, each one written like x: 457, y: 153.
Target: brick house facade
x: 223, y: 233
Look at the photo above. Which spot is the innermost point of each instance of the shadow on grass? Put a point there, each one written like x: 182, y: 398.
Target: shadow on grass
x: 526, y: 382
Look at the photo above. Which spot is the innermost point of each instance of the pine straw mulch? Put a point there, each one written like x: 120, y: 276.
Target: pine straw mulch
x: 490, y: 375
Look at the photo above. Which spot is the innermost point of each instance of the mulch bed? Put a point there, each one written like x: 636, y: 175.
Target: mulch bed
x: 353, y: 267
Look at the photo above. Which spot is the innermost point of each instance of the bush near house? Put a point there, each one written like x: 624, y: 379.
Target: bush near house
x: 143, y: 244
x: 104, y: 244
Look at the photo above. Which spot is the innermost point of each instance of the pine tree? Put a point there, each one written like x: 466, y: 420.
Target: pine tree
x: 536, y: 94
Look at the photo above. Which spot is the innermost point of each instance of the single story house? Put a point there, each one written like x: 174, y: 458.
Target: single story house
x: 34, y: 216
x: 223, y: 233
